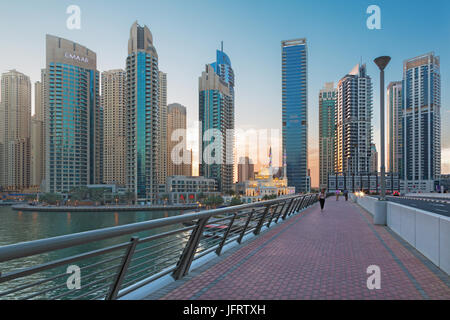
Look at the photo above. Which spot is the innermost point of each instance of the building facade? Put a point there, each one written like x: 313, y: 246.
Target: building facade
x: 178, y: 157
x: 182, y: 189
x: 73, y: 116
x: 114, y: 104
x: 142, y: 163
x: 295, y: 111
x: 354, y: 123
x: 373, y: 158
x: 327, y: 132
x: 421, y: 119
x: 394, y: 130
x: 38, y: 138
x: 163, y: 130
x: 15, y: 123
x: 216, y: 116
x: 246, y: 169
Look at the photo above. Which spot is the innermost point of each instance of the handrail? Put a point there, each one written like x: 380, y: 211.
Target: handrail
x: 185, y: 245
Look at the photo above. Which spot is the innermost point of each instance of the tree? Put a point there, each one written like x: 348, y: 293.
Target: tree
x: 130, y: 197
x: 96, y: 194
x: 235, y: 201
x: 213, y: 201
x: 51, y: 198
x: 79, y: 194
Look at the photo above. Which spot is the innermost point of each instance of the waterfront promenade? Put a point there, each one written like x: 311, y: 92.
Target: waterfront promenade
x: 316, y: 255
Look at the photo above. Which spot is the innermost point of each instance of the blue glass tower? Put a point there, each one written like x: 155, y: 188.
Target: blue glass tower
x: 142, y: 114
x: 216, y: 114
x: 295, y: 112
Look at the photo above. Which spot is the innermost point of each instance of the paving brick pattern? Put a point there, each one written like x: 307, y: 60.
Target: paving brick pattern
x: 319, y: 255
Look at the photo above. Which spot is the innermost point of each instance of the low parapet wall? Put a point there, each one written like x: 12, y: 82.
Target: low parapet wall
x: 429, y: 233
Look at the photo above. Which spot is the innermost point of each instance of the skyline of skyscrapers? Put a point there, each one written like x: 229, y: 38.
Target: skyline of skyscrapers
x: 76, y: 136
x: 295, y: 112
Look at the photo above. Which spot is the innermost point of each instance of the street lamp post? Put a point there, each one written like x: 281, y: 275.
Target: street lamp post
x: 382, y: 62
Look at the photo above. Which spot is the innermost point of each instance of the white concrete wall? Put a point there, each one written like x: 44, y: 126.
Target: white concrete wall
x: 429, y: 233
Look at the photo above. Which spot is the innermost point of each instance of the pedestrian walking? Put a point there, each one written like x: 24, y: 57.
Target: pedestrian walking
x: 338, y: 192
x: 322, y: 197
x: 346, y: 194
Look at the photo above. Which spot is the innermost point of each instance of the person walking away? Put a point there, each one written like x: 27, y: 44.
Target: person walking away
x: 346, y: 194
x: 337, y: 194
x: 322, y: 197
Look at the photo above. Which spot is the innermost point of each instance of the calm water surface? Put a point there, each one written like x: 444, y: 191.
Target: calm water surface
x: 16, y: 227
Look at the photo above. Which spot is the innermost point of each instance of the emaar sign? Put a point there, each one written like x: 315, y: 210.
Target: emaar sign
x: 76, y: 57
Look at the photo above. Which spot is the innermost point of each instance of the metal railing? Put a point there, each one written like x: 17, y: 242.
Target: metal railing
x: 113, y: 262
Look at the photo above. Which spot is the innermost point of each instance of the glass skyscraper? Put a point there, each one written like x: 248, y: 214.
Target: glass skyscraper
x: 421, y: 119
x: 295, y: 112
x: 73, y: 116
x: 216, y: 114
x: 142, y: 114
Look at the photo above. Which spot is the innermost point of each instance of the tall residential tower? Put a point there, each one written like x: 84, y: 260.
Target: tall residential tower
x: 216, y: 115
x: 353, y: 149
x: 394, y: 127
x: 421, y: 120
x: 73, y: 117
x: 142, y: 114
x: 327, y: 132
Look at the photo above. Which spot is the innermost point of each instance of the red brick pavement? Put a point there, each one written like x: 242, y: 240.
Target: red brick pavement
x: 319, y: 256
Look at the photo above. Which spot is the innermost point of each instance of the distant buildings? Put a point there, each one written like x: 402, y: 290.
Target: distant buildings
x: 295, y: 112
x: 15, y: 123
x: 114, y: 104
x: 421, y: 121
x: 246, y: 169
x: 394, y: 130
x: 38, y: 138
x: 164, y: 150
x: 182, y: 189
x: 142, y: 163
x: 327, y: 132
x: 373, y: 158
x: 178, y: 157
x: 216, y: 115
x: 354, y: 123
x: 73, y: 115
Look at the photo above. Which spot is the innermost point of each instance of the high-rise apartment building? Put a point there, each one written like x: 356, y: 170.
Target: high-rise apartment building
x: 163, y: 130
x: 15, y: 123
x: 394, y: 130
x: 38, y: 138
x: 216, y: 115
x: 72, y: 115
x: 295, y: 112
x: 373, y: 159
x: 354, y: 122
x: 327, y: 132
x: 142, y: 114
x: 114, y: 104
x: 178, y: 156
x: 421, y: 119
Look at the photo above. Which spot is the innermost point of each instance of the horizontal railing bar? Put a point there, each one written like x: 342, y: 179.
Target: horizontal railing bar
x: 165, y: 234
x: 151, y: 260
x: 26, y: 249
x: 57, y: 263
x: 150, y: 267
x: 92, y: 291
x: 136, y: 286
x: 160, y: 244
x: 91, y: 283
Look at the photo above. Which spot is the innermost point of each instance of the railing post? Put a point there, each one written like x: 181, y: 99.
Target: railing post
x: 287, y: 209
x: 115, y: 287
x: 245, y: 227
x: 273, y: 215
x: 225, y: 236
x: 291, y: 211
x: 261, y: 221
x: 281, y: 211
x: 187, y: 256
x: 297, y: 208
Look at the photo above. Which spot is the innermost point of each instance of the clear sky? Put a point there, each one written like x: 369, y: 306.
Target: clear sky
x: 187, y: 33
